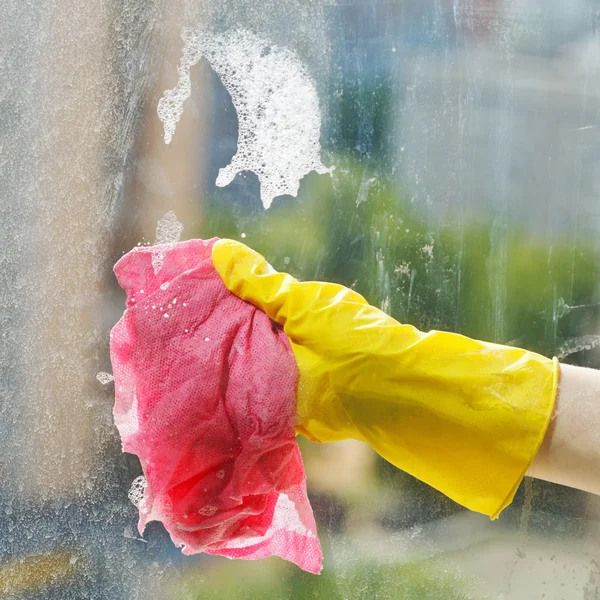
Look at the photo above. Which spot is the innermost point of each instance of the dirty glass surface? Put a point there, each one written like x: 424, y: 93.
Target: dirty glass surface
x: 441, y: 158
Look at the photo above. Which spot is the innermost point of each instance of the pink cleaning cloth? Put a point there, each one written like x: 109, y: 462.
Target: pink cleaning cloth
x: 206, y: 397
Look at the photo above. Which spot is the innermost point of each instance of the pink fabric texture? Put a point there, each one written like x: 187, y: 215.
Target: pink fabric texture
x: 206, y: 397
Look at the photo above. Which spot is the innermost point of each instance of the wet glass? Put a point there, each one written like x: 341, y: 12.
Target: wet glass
x: 439, y: 157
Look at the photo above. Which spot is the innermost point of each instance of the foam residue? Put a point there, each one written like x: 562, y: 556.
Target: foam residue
x: 276, y: 102
x: 168, y: 231
x: 104, y: 378
x: 578, y: 344
x: 136, y: 491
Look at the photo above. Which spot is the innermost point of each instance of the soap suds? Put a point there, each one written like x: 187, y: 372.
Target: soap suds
x: 136, y: 491
x: 104, y: 378
x: 276, y: 103
x: 168, y: 231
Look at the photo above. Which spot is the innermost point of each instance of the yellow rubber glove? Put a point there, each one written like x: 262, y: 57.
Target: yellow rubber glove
x: 464, y: 416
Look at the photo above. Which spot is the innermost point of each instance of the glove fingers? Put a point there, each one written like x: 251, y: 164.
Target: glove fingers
x: 247, y: 274
x: 307, y: 310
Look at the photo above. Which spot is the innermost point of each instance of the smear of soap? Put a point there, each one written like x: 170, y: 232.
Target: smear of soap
x: 363, y: 190
x: 104, y: 378
x: 276, y: 102
x: 578, y: 344
x: 168, y: 231
x: 136, y: 491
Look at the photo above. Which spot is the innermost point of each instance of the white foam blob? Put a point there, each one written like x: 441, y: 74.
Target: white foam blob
x: 168, y: 231
x: 104, y: 378
x: 276, y: 102
x: 208, y: 511
x: 136, y: 491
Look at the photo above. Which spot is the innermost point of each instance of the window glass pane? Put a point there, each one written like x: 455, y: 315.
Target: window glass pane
x: 440, y: 158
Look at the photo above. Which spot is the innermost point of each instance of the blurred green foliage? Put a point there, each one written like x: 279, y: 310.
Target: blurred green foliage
x: 425, y: 580
x: 484, y: 276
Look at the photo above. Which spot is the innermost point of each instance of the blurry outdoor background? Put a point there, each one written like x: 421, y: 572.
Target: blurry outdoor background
x: 465, y: 196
